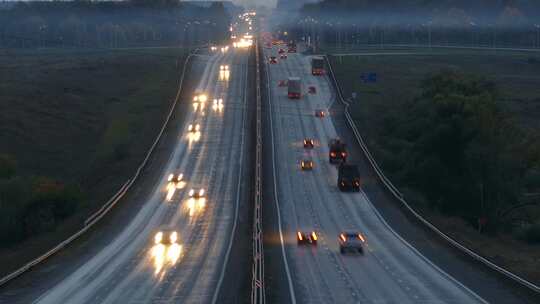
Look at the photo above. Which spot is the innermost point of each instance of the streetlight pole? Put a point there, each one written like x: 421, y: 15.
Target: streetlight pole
x: 429, y: 32
x: 472, y: 33
x: 537, y: 26
x: 382, y: 37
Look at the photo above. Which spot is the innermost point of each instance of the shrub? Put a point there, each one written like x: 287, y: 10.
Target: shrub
x: 14, y: 195
x: 531, y: 234
x: 8, y: 166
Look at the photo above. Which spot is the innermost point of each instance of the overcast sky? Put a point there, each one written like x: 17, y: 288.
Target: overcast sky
x: 271, y: 3
x: 268, y: 3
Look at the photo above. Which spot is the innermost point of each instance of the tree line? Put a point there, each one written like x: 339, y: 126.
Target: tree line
x: 111, y: 24
x: 456, y: 149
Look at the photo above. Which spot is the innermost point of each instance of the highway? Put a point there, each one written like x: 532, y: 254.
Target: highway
x: 132, y: 268
x: 391, y: 271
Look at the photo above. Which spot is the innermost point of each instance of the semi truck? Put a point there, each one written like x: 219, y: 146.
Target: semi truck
x: 337, y: 151
x: 348, y: 178
x: 317, y: 66
x: 294, y: 85
x: 291, y: 47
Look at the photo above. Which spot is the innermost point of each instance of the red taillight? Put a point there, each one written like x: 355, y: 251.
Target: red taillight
x: 343, y: 154
x: 332, y: 154
x: 361, y: 238
x: 299, y: 236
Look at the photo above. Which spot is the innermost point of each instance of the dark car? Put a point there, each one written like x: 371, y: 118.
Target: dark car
x: 306, y: 165
x: 348, y: 178
x: 351, y: 241
x: 309, y: 143
x: 337, y: 152
x: 306, y: 238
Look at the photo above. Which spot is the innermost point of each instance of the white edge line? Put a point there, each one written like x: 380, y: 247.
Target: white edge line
x: 115, y: 198
x: 289, y: 279
x: 398, y: 195
x: 419, y: 254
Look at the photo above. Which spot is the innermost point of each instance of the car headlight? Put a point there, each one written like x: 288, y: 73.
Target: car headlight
x: 158, y: 237
x: 173, y: 237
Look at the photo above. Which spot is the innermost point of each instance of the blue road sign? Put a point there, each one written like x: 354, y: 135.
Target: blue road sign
x: 369, y: 77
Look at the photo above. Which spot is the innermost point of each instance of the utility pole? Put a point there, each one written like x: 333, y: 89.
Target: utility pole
x: 537, y: 26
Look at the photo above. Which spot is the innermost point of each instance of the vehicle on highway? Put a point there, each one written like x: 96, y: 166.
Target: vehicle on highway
x: 348, y: 178
x: 166, y: 236
x: 337, y: 152
x: 283, y: 56
x: 312, y: 90
x: 197, y: 194
x: 223, y: 67
x: 306, y: 165
x: 192, y: 128
x: 217, y: 104
x: 273, y: 60
x: 351, y: 241
x: 317, y: 66
x: 282, y: 83
x: 309, y: 143
x: 320, y: 113
x: 294, y: 85
x: 200, y: 97
x: 291, y: 47
x: 175, y: 178
x: 306, y: 238
x: 281, y: 51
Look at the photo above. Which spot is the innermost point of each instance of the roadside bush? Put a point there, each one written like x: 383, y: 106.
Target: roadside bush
x: 8, y: 166
x: 30, y: 206
x: 63, y: 200
x: 531, y: 234
x: 454, y: 145
x: 14, y: 196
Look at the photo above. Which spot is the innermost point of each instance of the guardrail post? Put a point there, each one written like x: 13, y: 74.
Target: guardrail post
x: 395, y: 192
x: 257, y: 281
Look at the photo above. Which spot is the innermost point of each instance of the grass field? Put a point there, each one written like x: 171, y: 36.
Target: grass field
x: 399, y: 79
x: 65, y: 114
x: 83, y: 118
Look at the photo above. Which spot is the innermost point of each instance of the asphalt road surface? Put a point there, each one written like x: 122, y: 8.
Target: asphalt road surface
x: 132, y: 268
x: 391, y: 271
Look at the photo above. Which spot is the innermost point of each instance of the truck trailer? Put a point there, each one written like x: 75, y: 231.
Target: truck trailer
x: 294, y: 85
x: 317, y: 66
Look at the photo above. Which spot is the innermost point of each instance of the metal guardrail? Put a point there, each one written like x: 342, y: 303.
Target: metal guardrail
x: 399, y: 196
x: 99, y: 214
x: 257, y: 279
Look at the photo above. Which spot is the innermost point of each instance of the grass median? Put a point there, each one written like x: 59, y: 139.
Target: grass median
x: 74, y: 126
x: 458, y: 132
